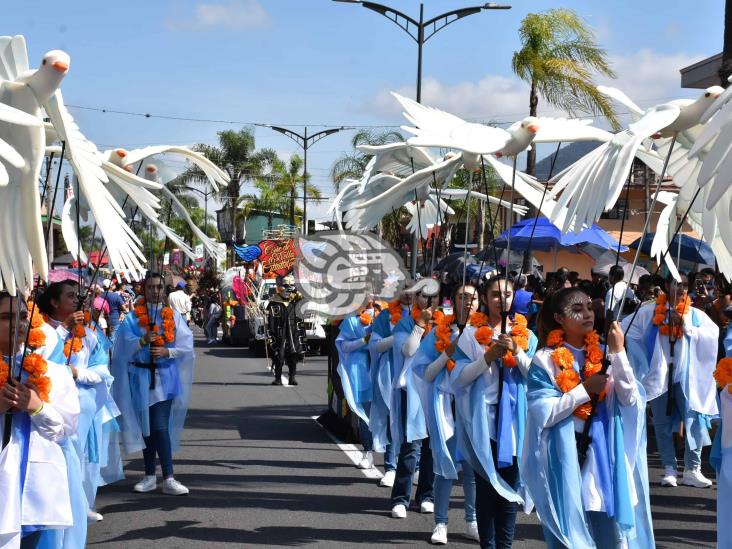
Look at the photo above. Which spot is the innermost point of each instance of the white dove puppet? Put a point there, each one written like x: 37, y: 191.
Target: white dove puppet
x: 122, y: 244
x: 593, y: 183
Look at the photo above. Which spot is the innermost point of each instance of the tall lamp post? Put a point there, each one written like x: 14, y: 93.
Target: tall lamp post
x: 205, y: 195
x: 421, y: 31
x: 305, y: 141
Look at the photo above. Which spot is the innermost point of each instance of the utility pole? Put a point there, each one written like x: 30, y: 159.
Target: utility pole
x: 420, y: 31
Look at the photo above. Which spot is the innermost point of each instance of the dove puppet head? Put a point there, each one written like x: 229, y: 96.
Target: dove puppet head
x: 691, y: 111
x: 151, y: 172
x: 522, y: 134
x: 118, y: 158
x: 46, y: 80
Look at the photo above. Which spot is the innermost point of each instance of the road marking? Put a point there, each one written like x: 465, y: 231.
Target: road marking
x: 353, y: 453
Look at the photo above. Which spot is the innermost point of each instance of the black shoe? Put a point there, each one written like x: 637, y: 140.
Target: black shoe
x: 292, y: 381
x: 277, y: 382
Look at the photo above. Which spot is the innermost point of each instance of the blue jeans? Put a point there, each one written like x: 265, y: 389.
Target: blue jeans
x: 443, y: 489
x: 390, y: 454
x: 664, y: 426
x: 364, y: 434
x: 212, y: 327
x: 159, y: 440
x: 496, y: 516
x: 409, y: 454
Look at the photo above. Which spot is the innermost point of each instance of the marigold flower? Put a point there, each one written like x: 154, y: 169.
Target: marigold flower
x: 664, y: 329
x: 167, y: 313
x: 658, y: 319
x: 79, y: 331
x: 395, y: 311
x: 478, y: 319
x: 592, y: 368
x: 36, y: 338
x: 4, y: 373
x: 563, y: 358
x: 365, y: 319
x: 450, y: 365
x: 583, y: 411
x: 509, y: 361
x: 567, y: 380
x: 723, y: 372
x: 416, y: 313
x: 594, y: 354
x: 35, y: 364
x: 592, y: 338
x: 43, y: 386
x: 483, y: 335
x: 555, y: 338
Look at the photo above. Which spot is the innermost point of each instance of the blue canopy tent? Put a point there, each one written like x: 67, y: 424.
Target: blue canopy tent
x: 692, y: 250
x: 548, y: 237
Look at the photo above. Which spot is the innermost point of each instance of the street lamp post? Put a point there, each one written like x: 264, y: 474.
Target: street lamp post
x: 421, y: 31
x: 305, y: 141
x: 205, y: 195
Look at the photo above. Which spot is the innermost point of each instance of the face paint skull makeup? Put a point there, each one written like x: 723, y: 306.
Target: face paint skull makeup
x: 574, y: 300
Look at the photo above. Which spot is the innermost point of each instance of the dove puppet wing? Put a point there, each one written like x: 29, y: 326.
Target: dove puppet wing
x: 713, y: 146
x: 394, y: 158
x: 565, y: 130
x: 208, y: 243
x: 216, y: 176
x: 436, y: 128
x: 462, y: 193
x: 12, y: 116
x: 593, y: 183
x: 397, y: 194
x: 426, y: 215
x: 122, y: 244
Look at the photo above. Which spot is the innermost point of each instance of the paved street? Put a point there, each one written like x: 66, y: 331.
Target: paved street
x: 262, y: 472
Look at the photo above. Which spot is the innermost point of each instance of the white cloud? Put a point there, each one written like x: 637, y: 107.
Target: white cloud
x: 231, y: 14
x: 646, y: 76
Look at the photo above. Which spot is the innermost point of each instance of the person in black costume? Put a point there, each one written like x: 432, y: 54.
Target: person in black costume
x: 286, y: 330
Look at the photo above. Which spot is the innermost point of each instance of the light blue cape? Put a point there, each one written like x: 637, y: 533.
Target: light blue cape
x: 353, y: 367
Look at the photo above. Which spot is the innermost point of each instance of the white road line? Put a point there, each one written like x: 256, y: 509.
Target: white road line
x: 353, y: 453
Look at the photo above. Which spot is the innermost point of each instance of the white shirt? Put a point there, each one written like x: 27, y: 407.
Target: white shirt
x: 181, y: 302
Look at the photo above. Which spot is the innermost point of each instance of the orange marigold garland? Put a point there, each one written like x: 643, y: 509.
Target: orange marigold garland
x: 365, y: 319
x: 519, y: 334
x: 567, y: 378
x: 143, y: 320
x: 37, y: 367
x: 4, y: 373
x: 395, y: 311
x: 443, y: 333
x: 723, y: 374
x: 660, y: 316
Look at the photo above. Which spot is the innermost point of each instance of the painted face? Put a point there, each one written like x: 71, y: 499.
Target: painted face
x: 500, y: 294
x: 679, y: 290
x: 578, y: 316
x: 466, y: 302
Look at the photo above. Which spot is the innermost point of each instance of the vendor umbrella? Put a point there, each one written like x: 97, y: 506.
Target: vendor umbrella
x: 692, y: 249
x: 548, y: 237
x: 607, y: 260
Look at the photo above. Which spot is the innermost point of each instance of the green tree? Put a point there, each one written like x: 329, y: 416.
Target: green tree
x: 237, y: 155
x: 558, y: 59
x: 288, y: 179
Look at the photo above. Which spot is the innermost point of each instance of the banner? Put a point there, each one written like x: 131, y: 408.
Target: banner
x: 277, y: 256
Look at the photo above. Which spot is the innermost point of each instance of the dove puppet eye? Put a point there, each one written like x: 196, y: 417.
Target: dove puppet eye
x: 707, y: 94
x: 44, y: 62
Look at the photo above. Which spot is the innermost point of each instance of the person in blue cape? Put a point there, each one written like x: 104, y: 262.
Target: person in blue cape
x: 353, y: 369
x: 34, y: 475
x: 681, y: 374
x: 381, y: 343
x: 721, y: 455
x: 602, y: 502
x: 152, y: 365
x: 406, y: 419
x: 89, y: 364
x: 430, y: 366
x: 489, y: 380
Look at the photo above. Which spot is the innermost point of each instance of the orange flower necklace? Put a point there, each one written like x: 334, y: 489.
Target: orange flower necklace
x: 365, y: 319
x: 723, y: 374
x: 660, y: 316
x: 443, y: 335
x: 395, y: 311
x: 76, y: 343
x: 568, y: 378
x: 143, y: 320
x: 519, y: 334
x: 34, y: 363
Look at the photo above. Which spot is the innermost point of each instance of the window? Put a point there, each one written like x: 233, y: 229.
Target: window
x: 616, y: 212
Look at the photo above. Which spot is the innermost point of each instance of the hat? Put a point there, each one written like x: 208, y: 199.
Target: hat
x: 181, y: 284
x: 106, y: 283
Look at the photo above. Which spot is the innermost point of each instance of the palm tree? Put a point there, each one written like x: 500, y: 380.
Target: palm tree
x: 352, y: 165
x: 236, y: 154
x: 270, y: 200
x: 289, y: 177
x: 558, y: 59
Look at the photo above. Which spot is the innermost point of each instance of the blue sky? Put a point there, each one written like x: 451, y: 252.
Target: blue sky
x: 318, y: 62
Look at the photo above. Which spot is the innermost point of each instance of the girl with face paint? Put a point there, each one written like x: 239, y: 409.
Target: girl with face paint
x: 609, y: 506
x: 489, y: 380
x: 683, y: 376
x: 431, y: 366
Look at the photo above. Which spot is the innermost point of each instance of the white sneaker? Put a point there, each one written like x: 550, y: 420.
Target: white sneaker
x: 439, y: 534
x: 669, y: 476
x: 174, y: 488
x: 415, y: 478
x: 695, y: 478
x: 426, y: 507
x: 387, y: 480
x: 147, y: 484
x: 93, y: 516
x: 471, y: 530
x: 399, y: 511
x: 367, y: 461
